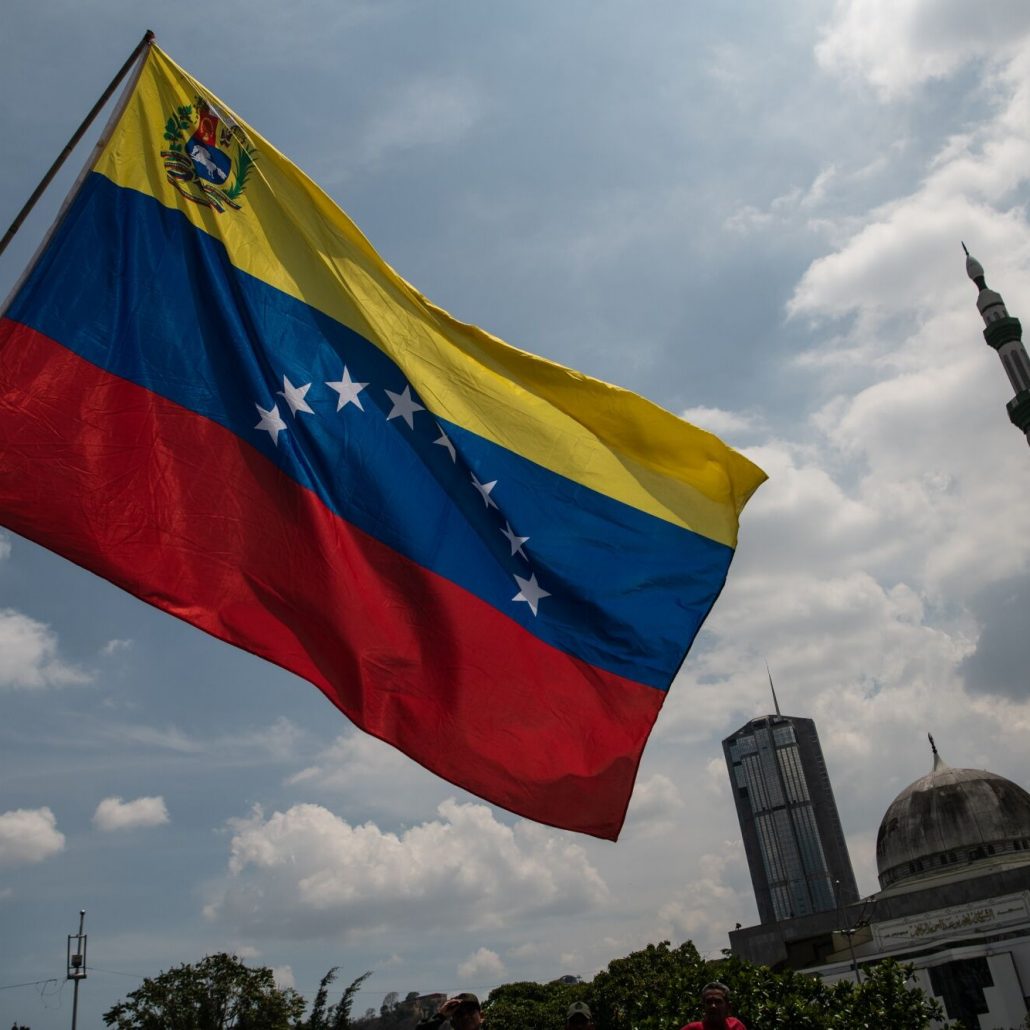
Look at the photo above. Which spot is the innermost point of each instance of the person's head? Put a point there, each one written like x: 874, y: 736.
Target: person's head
x: 468, y: 1015
x: 715, y: 1002
x: 578, y: 1017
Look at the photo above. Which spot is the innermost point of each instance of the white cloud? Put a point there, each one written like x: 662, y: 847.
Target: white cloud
x: 656, y: 807
x: 527, y: 949
x: 483, y: 962
x: 921, y: 398
x: 283, y: 976
x: 29, y: 835
x: 797, y: 204
x: 278, y: 741
x: 351, y: 755
x: 28, y: 655
x: 114, y: 646
x: 170, y: 738
x: 720, y: 422
x: 114, y: 814
x: 897, y: 45
x: 707, y: 899
x: 367, y: 772
x: 5, y: 545
x: 306, y: 872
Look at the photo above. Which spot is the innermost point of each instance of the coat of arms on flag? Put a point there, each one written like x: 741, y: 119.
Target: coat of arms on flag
x: 210, y: 165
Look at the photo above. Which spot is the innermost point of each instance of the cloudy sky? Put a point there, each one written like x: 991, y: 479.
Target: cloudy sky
x: 752, y: 216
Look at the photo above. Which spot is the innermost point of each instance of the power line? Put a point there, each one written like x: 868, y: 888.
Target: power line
x: 30, y: 983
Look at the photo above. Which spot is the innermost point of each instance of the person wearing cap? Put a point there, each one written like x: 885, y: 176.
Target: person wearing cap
x: 462, y: 1012
x: 715, y: 1003
x: 578, y: 1017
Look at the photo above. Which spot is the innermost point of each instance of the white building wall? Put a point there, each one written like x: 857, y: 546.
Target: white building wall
x: 1006, y: 1008
x: 1021, y: 961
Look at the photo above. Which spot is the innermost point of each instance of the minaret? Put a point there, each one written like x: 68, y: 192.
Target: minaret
x: 1005, y: 335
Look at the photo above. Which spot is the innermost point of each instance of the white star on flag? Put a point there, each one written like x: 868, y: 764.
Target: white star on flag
x: 271, y: 423
x: 404, y: 406
x: 294, y: 396
x: 445, y: 441
x: 348, y: 391
x: 530, y: 591
x: 515, y: 540
x: 484, y: 490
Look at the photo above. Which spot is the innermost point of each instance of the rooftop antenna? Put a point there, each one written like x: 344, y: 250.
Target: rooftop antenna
x: 776, y: 704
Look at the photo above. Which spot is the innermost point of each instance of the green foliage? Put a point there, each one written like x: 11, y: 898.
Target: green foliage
x: 659, y: 988
x: 649, y: 989
x: 244, y: 165
x: 656, y: 988
x: 883, y: 999
x: 218, y: 993
x: 177, y: 123
x: 332, y: 1017
x: 532, y: 1006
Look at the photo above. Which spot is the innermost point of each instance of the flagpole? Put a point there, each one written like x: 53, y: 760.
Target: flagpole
x: 148, y: 37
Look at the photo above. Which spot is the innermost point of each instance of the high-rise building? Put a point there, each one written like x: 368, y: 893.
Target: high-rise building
x: 788, y: 818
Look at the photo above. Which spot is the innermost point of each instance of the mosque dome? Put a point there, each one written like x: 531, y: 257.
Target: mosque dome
x: 949, y: 819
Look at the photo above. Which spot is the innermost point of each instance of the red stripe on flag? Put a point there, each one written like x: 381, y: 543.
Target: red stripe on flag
x: 179, y: 511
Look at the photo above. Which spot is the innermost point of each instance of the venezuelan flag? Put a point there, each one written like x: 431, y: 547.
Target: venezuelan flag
x: 216, y: 395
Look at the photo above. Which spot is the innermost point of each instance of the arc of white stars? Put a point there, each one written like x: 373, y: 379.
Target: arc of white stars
x: 530, y: 591
x: 271, y: 422
x: 294, y: 396
x: 348, y: 391
x: 484, y: 490
x: 445, y: 441
x: 515, y: 540
x: 404, y: 406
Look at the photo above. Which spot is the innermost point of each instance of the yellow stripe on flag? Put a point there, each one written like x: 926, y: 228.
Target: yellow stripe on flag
x: 291, y: 235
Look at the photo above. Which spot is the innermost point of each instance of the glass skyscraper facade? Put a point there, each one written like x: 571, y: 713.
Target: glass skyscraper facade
x: 788, y: 818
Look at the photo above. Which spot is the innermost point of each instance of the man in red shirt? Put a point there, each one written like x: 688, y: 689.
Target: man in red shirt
x: 715, y: 1001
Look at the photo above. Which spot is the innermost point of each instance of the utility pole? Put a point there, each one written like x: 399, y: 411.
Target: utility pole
x: 848, y: 932
x: 77, y: 964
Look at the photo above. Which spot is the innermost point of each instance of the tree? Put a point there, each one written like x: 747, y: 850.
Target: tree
x: 389, y: 1004
x: 532, y: 1006
x: 659, y: 988
x: 333, y: 1017
x: 218, y: 993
